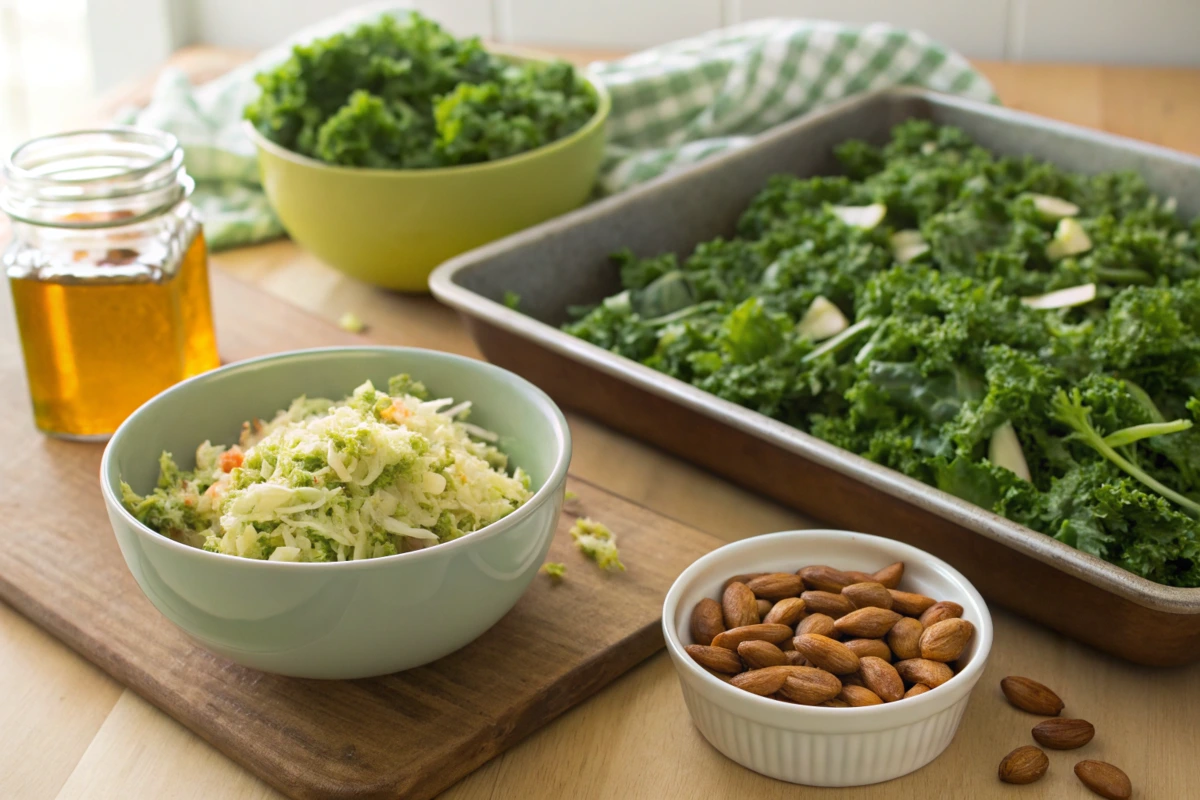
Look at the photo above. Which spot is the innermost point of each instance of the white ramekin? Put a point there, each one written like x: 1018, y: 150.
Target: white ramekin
x: 812, y: 745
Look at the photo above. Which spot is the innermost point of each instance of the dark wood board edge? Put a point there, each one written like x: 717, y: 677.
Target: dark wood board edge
x: 1030, y: 588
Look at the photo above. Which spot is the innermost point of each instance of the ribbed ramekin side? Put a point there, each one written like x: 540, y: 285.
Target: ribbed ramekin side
x: 824, y: 759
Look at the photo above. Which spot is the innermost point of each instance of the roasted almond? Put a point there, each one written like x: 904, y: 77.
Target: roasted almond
x: 852, y: 680
x: 827, y: 603
x: 1024, y: 765
x: 921, y: 670
x: 858, y: 577
x: 796, y: 659
x: 1063, y: 734
x: 916, y: 689
x: 828, y: 654
x: 863, y: 595
x: 707, y: 621
x: 909, y: 604
x: 870, y: 647
x: 866, y: 623
x: 1104, y: 779
x: 786, y: 644
x: 825, y: 579
x: 816, y: 623
x: 743, y: 578
x: 739, y: 605
x: 834, y: 703
x: 718, y: 659
x: 881, y: 678
x: 1029, y: 695
x: 761, y: 681
x: 905, y: 638
x: 810, y: 687
x: 758, y: 654
x: 890, y: 575
x: 764, y: 607
x: 946, y: 640
x: 731, y: 638
x: 858, y: 696
x: 946, y: 609
x: 787, y: 611
x: 776, y: 585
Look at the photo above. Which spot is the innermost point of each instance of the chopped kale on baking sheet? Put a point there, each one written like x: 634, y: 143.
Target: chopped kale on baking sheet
x: 1020, y: 336
x: 406, y: 94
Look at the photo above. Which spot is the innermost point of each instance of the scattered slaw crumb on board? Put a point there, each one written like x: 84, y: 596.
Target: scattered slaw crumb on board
x: 372, y: 475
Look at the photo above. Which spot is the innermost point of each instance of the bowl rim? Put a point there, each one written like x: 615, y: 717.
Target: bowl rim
x: 559, y: 429
x: 597, y: 120
x: 862, y: 718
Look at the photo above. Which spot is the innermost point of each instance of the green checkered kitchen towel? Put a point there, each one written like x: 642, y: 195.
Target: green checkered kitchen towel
x: 672, y: 105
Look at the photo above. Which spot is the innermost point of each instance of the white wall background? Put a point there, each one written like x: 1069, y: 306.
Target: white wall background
x: 1163, y: 32
x: 45, y: 71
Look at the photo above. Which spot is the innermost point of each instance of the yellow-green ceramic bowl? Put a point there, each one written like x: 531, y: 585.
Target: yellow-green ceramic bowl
x: 392, y: 227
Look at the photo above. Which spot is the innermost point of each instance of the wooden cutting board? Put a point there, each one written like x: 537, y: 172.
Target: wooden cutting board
x: 406, y: 735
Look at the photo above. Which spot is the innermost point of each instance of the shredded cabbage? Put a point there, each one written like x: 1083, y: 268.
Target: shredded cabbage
x: 373, y: 475
x: 597, y: 542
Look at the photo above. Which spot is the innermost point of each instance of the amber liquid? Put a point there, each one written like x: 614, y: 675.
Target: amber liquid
x: 95, y: 350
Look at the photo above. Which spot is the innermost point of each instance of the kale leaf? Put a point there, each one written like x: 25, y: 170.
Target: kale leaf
x: 942, y: 355
x: 406, y: 94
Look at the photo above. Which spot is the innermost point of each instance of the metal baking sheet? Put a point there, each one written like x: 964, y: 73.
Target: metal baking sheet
x: 566, y: 262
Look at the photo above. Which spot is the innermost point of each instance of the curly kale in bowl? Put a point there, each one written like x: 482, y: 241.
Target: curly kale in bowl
x: 1025, y: 338
x: 406, y: 94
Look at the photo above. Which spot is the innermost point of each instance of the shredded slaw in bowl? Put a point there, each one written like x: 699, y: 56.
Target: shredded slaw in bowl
x: 372, y: 475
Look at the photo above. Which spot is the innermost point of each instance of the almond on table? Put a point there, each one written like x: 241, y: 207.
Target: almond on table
x: 1024, y: 765
x: 1104, y: 779
x: 1063, y: 734
x: 1029, y: 695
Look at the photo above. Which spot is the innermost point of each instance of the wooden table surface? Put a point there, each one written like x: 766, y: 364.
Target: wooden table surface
x: 68, y: 731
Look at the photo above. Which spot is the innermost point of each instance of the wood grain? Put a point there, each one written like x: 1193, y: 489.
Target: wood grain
x: 634, y: 739
x: 320, y: 739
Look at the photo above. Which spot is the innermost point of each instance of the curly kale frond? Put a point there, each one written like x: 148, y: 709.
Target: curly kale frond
x: 406, y: 94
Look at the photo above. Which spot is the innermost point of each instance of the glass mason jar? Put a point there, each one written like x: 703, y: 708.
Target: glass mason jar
x: 109, y: 275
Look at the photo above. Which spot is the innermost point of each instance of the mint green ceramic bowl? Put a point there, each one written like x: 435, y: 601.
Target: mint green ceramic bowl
x: 391, y: 227
x: 352, y: 619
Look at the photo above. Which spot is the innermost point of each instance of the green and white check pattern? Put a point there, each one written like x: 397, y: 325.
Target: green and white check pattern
x: 683, y: 102
x: 673, y: 105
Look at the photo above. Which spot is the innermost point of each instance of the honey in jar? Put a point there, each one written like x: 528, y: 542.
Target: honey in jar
x: 109, y: 275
